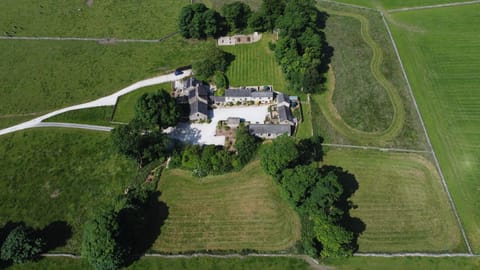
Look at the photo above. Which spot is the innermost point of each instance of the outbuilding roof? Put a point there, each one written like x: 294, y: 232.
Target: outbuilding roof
x: 260, y: 129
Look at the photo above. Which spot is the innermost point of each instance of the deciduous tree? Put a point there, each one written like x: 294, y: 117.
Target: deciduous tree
x: 21, y: 245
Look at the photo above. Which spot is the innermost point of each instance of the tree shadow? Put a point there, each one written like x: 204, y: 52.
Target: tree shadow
x: 350, y: 186
x: 311, y: 150
x: 141, y: 225
x: 55, y: 234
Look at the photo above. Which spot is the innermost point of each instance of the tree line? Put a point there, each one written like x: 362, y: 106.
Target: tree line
x: 301, y: 49
x: 320, y: 195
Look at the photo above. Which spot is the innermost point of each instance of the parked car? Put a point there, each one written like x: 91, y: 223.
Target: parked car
x: 178, y: 72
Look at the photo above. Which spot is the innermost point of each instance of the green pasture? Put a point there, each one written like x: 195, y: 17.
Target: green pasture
x: 393, y: 4
x: 255, y: 64
x: 442, y: 58
x: 125, y: 107
x: 366, y: 101
x: 146, y: 19
x: 401, y: 201
x: 93, y: 116
x: 40, y: 76
x: 408, y: 263
x: 176, y: 264
x: 218, y: 4
x: 49, y: 175
x: 235, y: 211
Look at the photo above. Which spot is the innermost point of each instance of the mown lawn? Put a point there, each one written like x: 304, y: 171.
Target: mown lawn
x: 40, y: 76
x: 367, y: 101
x: 125, y: 108
x: 176, y: 264
x: 235, y: 211
x: 49, y: 175
x: 392, y: 4
x: 442, y: 59
x: 92, y: 116
x: 401, y: 201
x: 218, y: 4
x: 255, y: 64
x: 409, y: 263
x: 146, y: 19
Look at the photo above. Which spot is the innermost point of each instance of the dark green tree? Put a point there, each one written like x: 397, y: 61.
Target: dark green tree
x: 236, y: 14
x: 21, y: 245
x: 213, y: 60
x: 197, y: 21
x: 100, y: 244
x: 221, y: 80
x: 324, y: 196
x: 271, y: 11
x: 298, y: 182
x: 246, y: 145
x: 281, y: 154
x: 335, y: 240
x: 157, y: 110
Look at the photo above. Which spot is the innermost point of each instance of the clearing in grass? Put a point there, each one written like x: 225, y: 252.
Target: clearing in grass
x: 235, y: 211
x: 255, y: 64
x: 52, y: 175
x: 401, y: 201
x: 146, y: 19
x: 443, y: 62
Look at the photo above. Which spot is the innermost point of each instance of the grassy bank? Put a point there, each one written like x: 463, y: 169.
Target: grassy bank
x: 49, y: 175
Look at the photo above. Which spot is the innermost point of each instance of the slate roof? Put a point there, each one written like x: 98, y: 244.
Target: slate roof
x: 284, y: 114
x: 283, y: 98
x: 260, y: 94
x: 190, y: 82
x: 218, y: 99
x: 259, y: 129
x: 198, y: 107
x: 238, y: 92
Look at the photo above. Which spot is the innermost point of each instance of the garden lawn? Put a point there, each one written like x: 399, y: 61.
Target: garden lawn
x: 393, y: 4
x: 49, y: 175
x: 231, y: 212
x: 146, y: 19
x: 92, y: 116
x: 254, y: 65
x: 176, y: 264
x: 401, y: 201
x: 408, y: 263
x: 125, y: 108
x: 40, y: 76
x: 443, y: 65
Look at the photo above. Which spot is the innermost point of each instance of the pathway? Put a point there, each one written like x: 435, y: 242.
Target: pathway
x: 72, y: 125
x: 101, y: 40
x: 110, y: 100
x: 375, y: 148
x: 435, y: 6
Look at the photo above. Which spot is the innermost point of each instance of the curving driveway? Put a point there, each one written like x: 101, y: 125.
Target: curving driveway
x: 110, y: 100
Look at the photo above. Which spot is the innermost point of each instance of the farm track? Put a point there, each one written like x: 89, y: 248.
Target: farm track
x: 435, y: 6
x: 331, y: 113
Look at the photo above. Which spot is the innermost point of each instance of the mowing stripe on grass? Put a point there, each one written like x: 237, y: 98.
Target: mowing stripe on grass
x: 375, y: 148
x: 434, y: 6
x: 437, y: 165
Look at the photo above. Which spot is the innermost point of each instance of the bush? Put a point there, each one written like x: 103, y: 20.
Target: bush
x: 21, y: 245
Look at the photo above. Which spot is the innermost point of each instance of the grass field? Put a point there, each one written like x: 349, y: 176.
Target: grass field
x: 147, y: 19
x: 235, y: 211
x: 392, y: 4
x: 50, y: 75
x: 93, y: 116
x: 125, y: 108
x: 51, y: 175
x: 401, y: 201
x: 255, y: 64
x: 359, y: 263
x: 367, y: 102
x: 217, y: 4
x: 177, y: 264
x: 443, y: 64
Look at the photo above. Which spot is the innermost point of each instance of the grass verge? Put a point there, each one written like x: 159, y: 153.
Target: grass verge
x: 52, y: 175
x: 235, y: 211
x: 101, y: 116
x: 401, y: 201
x: 442, y: 59
x: 125, y: 108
